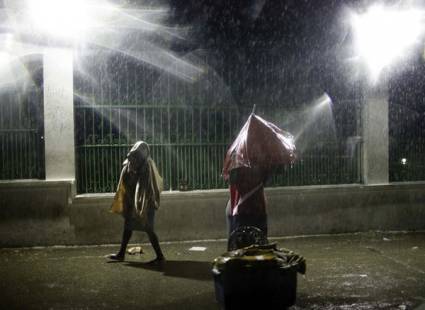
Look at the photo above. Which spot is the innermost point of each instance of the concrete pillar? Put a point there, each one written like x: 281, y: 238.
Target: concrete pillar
x: 59, y: 114
x: 375, y: 135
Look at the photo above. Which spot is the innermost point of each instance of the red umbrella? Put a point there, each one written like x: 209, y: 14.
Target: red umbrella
x: 259, y: 143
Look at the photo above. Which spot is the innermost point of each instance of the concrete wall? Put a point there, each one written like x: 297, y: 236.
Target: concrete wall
x: 375, y: 143
x: 43, y: 213
x: 58, y: 114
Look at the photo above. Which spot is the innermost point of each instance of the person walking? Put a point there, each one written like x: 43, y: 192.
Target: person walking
x: 137, y: 198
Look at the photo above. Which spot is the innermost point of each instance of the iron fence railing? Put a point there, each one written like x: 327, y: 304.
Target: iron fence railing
x: 407, y: 127
x: 198, y: 166
x: 189, y: 144
x: 190, y: 125
x: 407, y: 160
x: 21, y: 134
x: 194, y: 165
x: 19, y: 157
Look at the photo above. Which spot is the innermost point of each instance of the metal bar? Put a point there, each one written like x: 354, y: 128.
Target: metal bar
x: 136, y: 102
x: 170, y: 149
x: 85, y: 151
x: 178, y: 151
x: 153, y: 124
x: 111, y: 167
x: 216, y: 149
x: 144, y: 124
x: 26, y: 156
x: 207, y: 161
x: 10, y: 144
x: 19, y: 138
x: 128, y: 137
x: 7, y: 144
x: 192, y: 161
x: 131, y: 106
x: 93, y: 140
x: 3, y: 138
x: 200, y: 158
x: 102, y: 131
x: 128, y: 145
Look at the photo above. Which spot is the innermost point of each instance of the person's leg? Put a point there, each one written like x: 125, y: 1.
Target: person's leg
x: 153, y: 238
x: 233, y: 224
x: 228, y: 218
x: 255, y: 220
x: 264, y: 226
x: 126, y: 235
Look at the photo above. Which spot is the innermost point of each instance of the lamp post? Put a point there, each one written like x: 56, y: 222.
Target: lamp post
x: 58, y: 26
x: 59, y: 114
x: 383, y: 36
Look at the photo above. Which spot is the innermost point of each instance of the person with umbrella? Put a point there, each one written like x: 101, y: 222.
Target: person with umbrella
x: 259, y: 146
x: 247, y: 203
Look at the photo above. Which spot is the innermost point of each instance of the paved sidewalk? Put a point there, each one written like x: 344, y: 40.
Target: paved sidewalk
x: 353, y: 271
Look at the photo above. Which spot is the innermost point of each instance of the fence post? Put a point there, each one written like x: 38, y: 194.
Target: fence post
x: 375, y: 134
x: 59, y: 114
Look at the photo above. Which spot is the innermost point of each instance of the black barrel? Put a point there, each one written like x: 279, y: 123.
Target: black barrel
x: 257, y: 277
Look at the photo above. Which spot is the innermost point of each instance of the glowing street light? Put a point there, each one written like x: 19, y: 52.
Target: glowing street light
x: 384, y: 34
x: 57, y: 17
x: 66, y: 19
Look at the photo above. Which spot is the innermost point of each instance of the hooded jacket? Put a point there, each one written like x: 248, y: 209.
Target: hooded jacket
x: 140, y: 184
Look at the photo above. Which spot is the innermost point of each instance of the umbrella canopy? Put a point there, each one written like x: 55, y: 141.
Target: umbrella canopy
x: 259, y: 143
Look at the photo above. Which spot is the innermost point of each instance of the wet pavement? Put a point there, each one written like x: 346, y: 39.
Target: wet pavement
x: 353, y: 271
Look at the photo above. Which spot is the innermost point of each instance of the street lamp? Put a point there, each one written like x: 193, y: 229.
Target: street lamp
x: 65, y: 19
x: 384, y: 34
x: 58, y: 18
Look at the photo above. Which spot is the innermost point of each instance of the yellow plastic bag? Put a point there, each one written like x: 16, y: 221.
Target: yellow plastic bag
x: 118, y: 204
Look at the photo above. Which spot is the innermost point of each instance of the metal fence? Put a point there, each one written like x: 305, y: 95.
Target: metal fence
x: 185, y: 143
x: 189, y: 127
x: 407, y: 144
x: 21, y: 134
x: 407, y: 125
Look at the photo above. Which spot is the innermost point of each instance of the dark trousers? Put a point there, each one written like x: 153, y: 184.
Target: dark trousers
x: 153, y: 238
x: 246, y: 237
x: 148, y: 228
x: 259, y: 221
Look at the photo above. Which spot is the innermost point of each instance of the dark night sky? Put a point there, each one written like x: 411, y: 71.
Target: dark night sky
x: 304, y: 33
x: 292, y: 25
x: 312, y: 32
x: 299, y: 33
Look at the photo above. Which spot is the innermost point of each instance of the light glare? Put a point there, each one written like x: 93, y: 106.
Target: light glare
x: 64, y: 18
x: 5, y: 59
x: 384, y: 34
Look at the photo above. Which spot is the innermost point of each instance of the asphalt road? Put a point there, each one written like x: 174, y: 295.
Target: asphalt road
x: 354, y: 271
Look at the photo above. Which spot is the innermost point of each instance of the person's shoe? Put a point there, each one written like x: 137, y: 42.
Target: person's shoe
x: 117, y: 257
x: 159, y: 261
